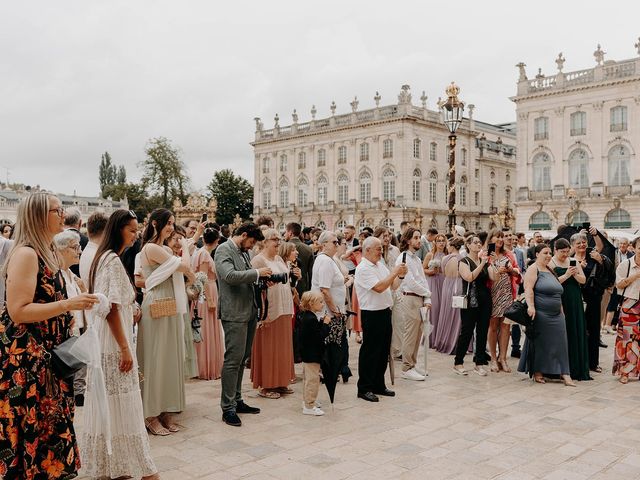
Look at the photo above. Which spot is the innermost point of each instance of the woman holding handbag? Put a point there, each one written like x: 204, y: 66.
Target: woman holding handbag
x: 475, y: 314
x: 124, y: 451
x: 626, y: 361
x: 38, y: 439
x: 160, y: 344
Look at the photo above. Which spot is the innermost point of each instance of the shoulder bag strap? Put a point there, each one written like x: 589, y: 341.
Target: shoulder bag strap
x: 628, y: 272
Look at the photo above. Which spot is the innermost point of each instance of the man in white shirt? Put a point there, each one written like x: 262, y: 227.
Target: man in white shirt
x: 373, y: 283
x: 415, y: 294
x: 95, y: 229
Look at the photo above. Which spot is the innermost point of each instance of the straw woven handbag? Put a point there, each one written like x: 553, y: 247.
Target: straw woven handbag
x: 163, y: 307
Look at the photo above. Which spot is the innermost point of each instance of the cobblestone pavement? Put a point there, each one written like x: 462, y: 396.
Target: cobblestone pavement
x: 498, y: 427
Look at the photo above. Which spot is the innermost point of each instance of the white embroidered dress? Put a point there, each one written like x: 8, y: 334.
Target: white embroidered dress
x: 131, y: 454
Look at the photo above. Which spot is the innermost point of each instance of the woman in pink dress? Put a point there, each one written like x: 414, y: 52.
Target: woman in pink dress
x: 210, y: 350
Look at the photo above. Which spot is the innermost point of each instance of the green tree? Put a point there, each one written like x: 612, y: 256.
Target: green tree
x: 121, y: 177
x: 164, y: 173
x: 107, y: 172
x: 139, y: 199
x: 233, y: 194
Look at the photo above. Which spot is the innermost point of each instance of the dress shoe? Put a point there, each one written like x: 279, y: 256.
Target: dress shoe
x: 345, y: 376
x: 231, y: 418
x: 386, y: 393
x: 368, y: 396
x: 242, y: 407
x: 516, y: 353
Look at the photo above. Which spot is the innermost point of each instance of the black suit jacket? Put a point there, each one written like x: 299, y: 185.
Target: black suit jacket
x: 305, y: 262
x: 83, y: 243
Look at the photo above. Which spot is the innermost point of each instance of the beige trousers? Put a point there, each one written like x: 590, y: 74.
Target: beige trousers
x: 409, y: 308
x: 311, y: 383
x: 397, y: 322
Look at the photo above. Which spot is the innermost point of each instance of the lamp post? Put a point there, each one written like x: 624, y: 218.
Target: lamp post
x: 452, y: 109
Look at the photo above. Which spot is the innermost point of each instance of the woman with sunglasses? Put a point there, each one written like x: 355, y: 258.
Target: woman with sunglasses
x: 130, y: 454
x: 37, y: 438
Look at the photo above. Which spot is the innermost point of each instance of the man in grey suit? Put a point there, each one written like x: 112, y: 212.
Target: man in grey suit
x: 238, y: 314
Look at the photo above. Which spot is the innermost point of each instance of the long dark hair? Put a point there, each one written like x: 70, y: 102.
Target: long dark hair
x: 111, y: 240
x: 161, y: 216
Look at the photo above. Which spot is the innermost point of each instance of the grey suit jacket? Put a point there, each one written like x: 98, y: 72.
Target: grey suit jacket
x: 236, y: 281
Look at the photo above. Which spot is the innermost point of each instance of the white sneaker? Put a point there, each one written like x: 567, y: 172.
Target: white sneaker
x: 412, y: 375
x: 480, y: 371
x: 315, y: 411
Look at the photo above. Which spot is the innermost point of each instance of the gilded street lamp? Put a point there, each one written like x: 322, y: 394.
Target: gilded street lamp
x: 452, y: 110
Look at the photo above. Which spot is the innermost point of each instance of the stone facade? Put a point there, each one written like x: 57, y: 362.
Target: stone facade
x: 9, y: 200
x: 382, y: 166
x: 578, y: 138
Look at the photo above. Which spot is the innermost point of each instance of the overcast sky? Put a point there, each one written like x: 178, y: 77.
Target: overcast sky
x: 81, y: 77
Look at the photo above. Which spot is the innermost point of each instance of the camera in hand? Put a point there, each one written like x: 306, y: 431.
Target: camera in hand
x: 278, y: 278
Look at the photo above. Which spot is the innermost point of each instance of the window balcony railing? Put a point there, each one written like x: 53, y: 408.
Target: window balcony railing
x: 619, y: 190
x: 541, y: 136
x: 578, y: 131
x: 618, y: 127
x: 540, y: 194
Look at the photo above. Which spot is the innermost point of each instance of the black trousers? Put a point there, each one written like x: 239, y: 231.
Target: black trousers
x: 478, y: 319
x: 592, y: 319
x: 516, y: 335
x: 375, y: 349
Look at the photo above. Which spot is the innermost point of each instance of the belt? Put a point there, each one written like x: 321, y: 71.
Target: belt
x: 411, y: 294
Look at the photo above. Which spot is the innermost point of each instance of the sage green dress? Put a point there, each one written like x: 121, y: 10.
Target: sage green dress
x: 576, y: 327
x: 161, y: 354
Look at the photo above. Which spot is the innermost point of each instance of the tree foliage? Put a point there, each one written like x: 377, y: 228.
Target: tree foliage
x: 121, y: 177
x: 233, y: 194
x: 137, y: 196
x: 164, y: 173
x: 107, y: 172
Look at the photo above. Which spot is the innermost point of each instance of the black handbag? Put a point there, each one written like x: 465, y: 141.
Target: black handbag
x: 63, y: 363
x: 517, y: 312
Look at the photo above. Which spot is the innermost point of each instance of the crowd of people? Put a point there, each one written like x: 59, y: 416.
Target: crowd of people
x: 155, y: 304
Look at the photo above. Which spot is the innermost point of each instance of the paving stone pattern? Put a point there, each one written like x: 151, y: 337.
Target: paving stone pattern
x: 502, y: 426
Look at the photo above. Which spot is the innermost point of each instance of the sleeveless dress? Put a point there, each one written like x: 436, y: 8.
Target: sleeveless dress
x: 550, y: 353
x: 161, y: 354
x: 501, y: 293
x: 448, y: 332
x: 210, y: 351
x: 37, y: 438
x: 435, y: 283
x: 131, y: 454
x: 576, y: 327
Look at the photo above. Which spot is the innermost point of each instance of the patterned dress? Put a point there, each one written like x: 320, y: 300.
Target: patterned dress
x: 501, y: 293
x: 626, y: 360
x: 37, y: 439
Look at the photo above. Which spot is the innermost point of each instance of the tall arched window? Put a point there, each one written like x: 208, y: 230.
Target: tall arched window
x: 415, y: 184
x: 284, y: 193
x: 341, y: 225
x: 266, y: 194
x: 388, y: 185
x: 365, y: 187
x: 617, y: 218
x: 303, y: 189
x: 463, y: 156
x: 619, y: 166
x: 343, y: 189
x: 579, y: 169
x: 387, y: 222
x: 322, y: 190
x: 540, y: 221
x: 433, y: 187
x: 541, y: 172
x: 463, y: 191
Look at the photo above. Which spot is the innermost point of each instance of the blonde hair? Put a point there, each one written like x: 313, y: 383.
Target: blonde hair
x: 307, y: 299
x: 268, y: 233
x: 31, y: 230
x: 285, y: 250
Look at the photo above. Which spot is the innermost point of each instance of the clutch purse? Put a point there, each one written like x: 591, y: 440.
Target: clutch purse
x: 163, y: 307
x: 63, y: 362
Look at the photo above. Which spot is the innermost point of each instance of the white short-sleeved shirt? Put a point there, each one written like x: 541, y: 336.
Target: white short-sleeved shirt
x: 327, y: 274
x: 633, y: 290
x: 367, y: 276
x: 86, y: 259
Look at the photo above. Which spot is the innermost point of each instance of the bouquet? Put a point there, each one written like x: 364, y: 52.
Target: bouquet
x: 433, y: 264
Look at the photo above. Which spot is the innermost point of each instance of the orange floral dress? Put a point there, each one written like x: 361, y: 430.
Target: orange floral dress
x: 37, y: 440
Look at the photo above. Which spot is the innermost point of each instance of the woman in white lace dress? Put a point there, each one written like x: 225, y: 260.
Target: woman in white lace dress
x: 127, y: 439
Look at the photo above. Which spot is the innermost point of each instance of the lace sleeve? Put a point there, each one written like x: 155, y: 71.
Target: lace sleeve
x: 109, y: 280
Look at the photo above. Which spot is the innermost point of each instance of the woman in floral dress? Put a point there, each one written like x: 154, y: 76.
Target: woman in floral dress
x: 37, y: 438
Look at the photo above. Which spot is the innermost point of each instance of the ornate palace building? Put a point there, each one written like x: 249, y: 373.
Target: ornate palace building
x: 578, y: 137
x: 381, y: 166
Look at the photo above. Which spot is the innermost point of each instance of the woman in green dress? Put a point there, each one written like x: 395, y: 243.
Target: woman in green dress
x: 571, y: 276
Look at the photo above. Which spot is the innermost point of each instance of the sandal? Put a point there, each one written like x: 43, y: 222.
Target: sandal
x: 494, y: 367
x: 358, y: 338
x: 284, y: 390
x: 156, y: 428
x: 504, y: 366
x: 598, y: 369
x: 539, y: 379
x: 165, y: 420
x: 624, y: 379
x: 268, y: 394
x: 568, y: 382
